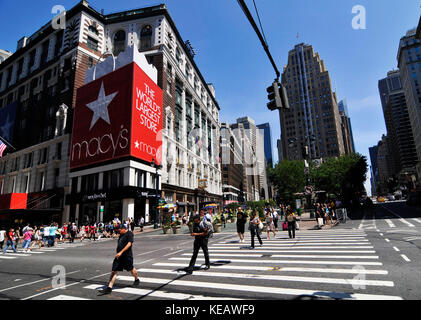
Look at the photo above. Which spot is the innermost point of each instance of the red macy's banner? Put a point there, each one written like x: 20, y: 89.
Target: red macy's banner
x: 116, y: 116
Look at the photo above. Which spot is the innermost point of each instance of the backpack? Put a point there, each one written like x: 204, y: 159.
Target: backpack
x: 206, y: 224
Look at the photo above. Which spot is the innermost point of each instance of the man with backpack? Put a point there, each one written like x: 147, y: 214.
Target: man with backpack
x: 202, y: 231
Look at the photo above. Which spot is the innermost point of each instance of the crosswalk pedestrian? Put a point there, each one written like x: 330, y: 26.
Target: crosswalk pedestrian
x: 334, y: 264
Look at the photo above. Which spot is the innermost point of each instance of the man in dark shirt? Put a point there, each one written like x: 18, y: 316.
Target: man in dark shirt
x: 200, y: 232
x: 123, y: 259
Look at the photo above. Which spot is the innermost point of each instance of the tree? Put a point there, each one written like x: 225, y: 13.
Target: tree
x: 289, y: 178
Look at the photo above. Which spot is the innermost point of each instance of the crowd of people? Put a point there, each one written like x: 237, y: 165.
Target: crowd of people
x: 49, y: 235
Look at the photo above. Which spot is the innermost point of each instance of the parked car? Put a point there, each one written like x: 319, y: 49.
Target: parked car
x: 391, y: 197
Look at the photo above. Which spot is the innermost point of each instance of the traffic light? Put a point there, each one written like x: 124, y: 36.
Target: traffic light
x: 278, y: 98
x: 274, y: 97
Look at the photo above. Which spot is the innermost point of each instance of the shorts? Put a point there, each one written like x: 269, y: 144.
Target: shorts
x: 240, y: 228
x: 123, y: 263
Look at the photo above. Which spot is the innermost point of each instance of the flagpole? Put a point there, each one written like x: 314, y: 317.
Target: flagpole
x: 7, y: 142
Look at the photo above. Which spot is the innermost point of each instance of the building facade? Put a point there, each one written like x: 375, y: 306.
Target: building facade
x: 409, y: 64
x: 403, y: 153
x: 346, y: 126
x: 38, y: 86
x: 374, y: 169
x: 313, y: 119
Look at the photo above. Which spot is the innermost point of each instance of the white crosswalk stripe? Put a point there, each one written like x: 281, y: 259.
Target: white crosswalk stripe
x: 347, y: 268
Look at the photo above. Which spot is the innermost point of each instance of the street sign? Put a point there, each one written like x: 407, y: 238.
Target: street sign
x: 308, y: 190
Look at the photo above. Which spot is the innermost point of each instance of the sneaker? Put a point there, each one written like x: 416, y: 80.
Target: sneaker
x: 107, y: 290
x: 136, y: 283
x: 188, y: 271
x: 207, y: 267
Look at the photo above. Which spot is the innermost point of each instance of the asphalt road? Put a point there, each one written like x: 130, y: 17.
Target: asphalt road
x: 367, y: 258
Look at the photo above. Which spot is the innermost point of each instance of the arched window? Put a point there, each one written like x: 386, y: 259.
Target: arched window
x: 119, y: 42
x: 146, y: 38
x: 93, y: 30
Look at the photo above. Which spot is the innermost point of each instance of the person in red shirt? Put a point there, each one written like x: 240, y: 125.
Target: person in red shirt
x: 10, y: 239
x: 93, y: 231
x: 86, y: 234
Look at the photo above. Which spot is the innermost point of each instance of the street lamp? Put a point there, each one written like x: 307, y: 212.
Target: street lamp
x: 157, y: 167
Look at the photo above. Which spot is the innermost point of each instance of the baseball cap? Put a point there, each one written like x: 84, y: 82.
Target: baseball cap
x: 120, y: 226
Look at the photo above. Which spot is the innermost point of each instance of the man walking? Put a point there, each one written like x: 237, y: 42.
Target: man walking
x: 123, y: 259
x: 201, y: 232
x: 9, y: 243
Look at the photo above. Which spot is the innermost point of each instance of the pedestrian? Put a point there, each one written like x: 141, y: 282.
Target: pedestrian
x: 45, y: 235
x: 254, y: 227
x: 37, y: 238
x: 53, y: 234
x: 101, y: 230
x: 201, y: 231
x: 291, y: 219
x: 123, y: 259
x: 132, y: 224
x: 27, y: 236
x: 270, y: 224
x: 18, y: 236
x: 141, y: 223
x: 10, y: 236
x: 2, y: 237
x: 73, y: 231
x: 275, y: 218
x: 92, y: 231
x: 241, y: 222
x: 223, y: 219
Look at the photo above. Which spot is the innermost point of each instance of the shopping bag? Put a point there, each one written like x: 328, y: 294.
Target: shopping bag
x: 320, y: 222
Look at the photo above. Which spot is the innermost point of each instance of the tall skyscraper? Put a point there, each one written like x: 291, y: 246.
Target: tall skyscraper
x: 374, y: 169
x: 268, y: 142
x: 313, y: 120
x: 409, y: 64
x: 403, y: 156
x: 346, y: 126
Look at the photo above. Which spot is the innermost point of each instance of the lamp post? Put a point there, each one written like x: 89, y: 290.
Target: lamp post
x: 157, y: 167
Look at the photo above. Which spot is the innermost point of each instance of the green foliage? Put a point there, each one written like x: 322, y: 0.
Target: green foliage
x: 289, y: 178
x: 217, y: 219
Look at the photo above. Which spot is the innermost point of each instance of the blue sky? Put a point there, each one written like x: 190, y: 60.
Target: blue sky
x: 230, y: 56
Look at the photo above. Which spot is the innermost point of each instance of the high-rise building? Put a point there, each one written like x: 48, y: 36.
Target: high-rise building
x: 256, y: 138
x: 374, y: 169
x: 38, y: 86
x: 4, y: 55
x: 348, y: 136
x: 409, y: 61
x: 384, y: 164
x: 313, y: 120
x: 232, y: 166
x: 268, y: 143
x: 279, y: 147
x: 403, y: 156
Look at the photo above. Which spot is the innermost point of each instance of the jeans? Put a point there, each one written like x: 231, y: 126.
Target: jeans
x: 291, y: 229
x: 200, y: 243
x: 8, y: 244
x: 26, y: 244
x: 255, y: 232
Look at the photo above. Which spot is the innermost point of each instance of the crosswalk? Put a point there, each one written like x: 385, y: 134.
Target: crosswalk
x: 10, y: 255
x: 324, y: 264
x: 373, y: 224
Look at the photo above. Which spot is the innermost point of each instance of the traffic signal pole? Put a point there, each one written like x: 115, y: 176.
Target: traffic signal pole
x: 256, y: 29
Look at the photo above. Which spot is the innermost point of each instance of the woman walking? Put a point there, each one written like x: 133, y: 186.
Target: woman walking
x: 241, y: 222
x: 27, y: 240
x: 37, y: 239
x: 291, y: 219
x: 270, y: 224
x: 254, y: 229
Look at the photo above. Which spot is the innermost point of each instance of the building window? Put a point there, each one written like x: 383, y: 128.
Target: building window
x: 92, y: 43
x: 93, y: 30
x: 178, y: 55
x: 119, y: 42
x: 146, y: 38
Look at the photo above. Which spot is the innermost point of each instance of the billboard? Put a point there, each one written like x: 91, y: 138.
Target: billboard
x: 117, y: 115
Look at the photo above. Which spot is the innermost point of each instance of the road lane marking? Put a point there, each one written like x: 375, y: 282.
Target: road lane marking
x: 400, y: 218
x: 286, y: 256
x: 417, y: 220
x: 390, y: 223
x: 366, y: 263
x: 294, y: 247
x: 297, y: 251
x: 171, y: 253
x: 405, y: 258
x: 2, y: 256
x: 270, y: 290
x: 379, y: 283
x: 295, y: 244
x: 396, y: 249
x: 67, y: 298
x: 33, y: 282
x: 160, y: 294
x: 284, y: 269
x: 387, y: 240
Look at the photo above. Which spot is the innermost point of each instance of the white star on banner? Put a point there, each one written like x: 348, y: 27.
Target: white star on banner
x: 100, y: 106
x: 137, y: 145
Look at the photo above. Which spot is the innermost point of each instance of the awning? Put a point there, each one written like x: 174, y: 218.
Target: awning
x: 183, y: 204
x: 13, y: 201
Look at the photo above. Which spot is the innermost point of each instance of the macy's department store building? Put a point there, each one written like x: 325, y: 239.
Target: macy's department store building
x: 116, y: 144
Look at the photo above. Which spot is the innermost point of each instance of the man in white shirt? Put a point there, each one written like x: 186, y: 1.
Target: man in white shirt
x: 2, y: 236
x: 46, y: 234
